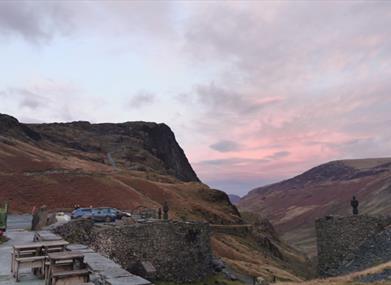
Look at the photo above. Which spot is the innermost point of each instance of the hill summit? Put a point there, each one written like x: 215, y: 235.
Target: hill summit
x: 140, y: 146
x: 293, y: 205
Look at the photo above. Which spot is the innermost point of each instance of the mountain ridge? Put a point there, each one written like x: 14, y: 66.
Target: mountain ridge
x: 136, y: 145
x: 293, y: 204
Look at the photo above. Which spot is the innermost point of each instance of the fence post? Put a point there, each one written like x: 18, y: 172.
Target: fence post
x: 3, y: 217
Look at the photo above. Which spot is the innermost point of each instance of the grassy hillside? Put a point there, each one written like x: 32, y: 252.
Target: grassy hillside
x: 294, y: 204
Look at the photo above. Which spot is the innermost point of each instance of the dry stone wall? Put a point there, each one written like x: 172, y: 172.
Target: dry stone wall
x: 339, y: 238
x: 179, y: 251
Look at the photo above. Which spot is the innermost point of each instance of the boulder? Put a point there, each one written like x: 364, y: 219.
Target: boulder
x: 218, y: 264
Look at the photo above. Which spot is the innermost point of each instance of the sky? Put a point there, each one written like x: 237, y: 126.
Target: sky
x: 255, y: 92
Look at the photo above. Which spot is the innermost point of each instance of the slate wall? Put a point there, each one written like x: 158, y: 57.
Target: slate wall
x: 338, y: 238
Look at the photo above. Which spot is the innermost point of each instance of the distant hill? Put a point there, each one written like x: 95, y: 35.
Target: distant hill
x: 294, y: 204
x: 234, y: 198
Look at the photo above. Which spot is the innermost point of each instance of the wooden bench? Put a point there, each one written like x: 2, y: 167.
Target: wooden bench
x: 73, y: 277
x: 66, y: 268
x: 24, y: 251
x: 29, y: 262
x: 36, y: 249
x: 62, y: 265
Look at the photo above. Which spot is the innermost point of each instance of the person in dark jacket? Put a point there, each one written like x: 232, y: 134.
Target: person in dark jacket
x: 354, y: 203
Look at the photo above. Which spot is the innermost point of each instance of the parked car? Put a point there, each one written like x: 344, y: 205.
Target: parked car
x: 81, y: 213
x: 104, y: 214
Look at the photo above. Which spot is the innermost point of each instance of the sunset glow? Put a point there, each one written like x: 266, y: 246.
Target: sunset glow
x: 255, y: 92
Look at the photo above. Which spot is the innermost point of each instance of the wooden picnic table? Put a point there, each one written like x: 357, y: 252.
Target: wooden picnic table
x: 49, y: 245
x: 56, y: 256
x: 46, y: 236
x: 35, y: 249
x: 39, y: 245
x: 64, y: 263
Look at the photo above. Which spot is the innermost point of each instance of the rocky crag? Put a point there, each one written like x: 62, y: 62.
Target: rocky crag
x: 352, y: 243
x: 140, y: 146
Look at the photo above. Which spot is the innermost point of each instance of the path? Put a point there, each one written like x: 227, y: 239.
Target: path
x: 105, y: 271
x: 16, y: 236
x: 20, y: 222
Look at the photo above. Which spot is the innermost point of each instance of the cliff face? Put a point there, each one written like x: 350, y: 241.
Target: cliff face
x: 133, y: 145
x: 9, y: 126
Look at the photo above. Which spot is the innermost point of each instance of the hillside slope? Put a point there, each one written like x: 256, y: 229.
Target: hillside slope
x: 61, y: 165
x: 294, y: 204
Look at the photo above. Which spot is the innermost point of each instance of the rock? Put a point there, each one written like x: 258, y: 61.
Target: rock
x: 144, y: 269
x: 134, y: 145
x: 218, y: 264
x: 125, y: 221
x: 229, y: 275
x: 11, y: 127
x: 261, y: 281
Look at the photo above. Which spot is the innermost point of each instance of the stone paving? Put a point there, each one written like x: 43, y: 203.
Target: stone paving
x: 105, y: 271
x: 16, y: 237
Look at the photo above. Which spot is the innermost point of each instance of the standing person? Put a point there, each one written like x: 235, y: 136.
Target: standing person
x: 165, y: 210
x: 160, y: 213
x: 354, y: 203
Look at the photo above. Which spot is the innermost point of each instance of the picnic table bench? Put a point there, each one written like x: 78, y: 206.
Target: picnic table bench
x: 66, y: 268
x: 33, y: 255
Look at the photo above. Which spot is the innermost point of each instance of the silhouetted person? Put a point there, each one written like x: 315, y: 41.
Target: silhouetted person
x: 354, y: 203
x: 165, y: 211
x: 160, y: 213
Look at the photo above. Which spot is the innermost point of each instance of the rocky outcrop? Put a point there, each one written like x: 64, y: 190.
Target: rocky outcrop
x: 139, y: 146
x: 9, y: 126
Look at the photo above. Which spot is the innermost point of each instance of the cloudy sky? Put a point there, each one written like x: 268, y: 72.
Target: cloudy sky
x: 254, y: 91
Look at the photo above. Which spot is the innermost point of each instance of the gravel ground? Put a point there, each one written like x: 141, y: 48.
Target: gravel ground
x: 385, y: 275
